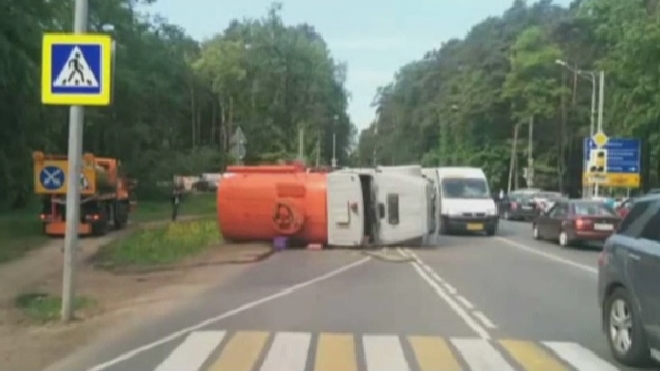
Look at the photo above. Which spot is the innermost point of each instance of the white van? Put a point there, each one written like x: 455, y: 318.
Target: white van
x: 465, y: 202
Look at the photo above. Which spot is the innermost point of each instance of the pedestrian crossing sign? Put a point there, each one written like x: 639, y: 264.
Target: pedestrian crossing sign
x: 76, y: 69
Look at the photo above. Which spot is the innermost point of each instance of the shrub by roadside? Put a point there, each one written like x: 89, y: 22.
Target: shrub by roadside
x: 160, y: 245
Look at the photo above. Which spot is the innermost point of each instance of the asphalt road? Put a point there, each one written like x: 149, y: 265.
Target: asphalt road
x: 497, y: 303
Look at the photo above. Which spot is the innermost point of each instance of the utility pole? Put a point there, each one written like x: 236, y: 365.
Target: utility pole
x: 301, y: 143
x: 334, y: 141
x: 76, y: 122
x: 530, y: 155
x: 334, y: 150
x: 601, y: 104
x: 318, y: 148
x: 376, y: 143
x: 512, y: 162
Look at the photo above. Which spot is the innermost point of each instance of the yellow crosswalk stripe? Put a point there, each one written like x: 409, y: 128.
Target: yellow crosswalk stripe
x: 433, y: 354
x: 335, y: 352
x: 532, y: 357
x: 329, y: 351
x: 242, y: 352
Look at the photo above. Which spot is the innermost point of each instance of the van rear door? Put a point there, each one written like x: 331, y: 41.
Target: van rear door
x: 402, y: 204
x: 345, y: 209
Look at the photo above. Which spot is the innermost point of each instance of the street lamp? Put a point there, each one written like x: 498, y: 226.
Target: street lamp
x: 591, y: 75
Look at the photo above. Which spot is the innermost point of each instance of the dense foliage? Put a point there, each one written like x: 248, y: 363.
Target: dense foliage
x: 177, y: 102
x: 459, y: 105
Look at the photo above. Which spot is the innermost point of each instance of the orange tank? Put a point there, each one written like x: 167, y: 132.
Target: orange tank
x: 258, y: 203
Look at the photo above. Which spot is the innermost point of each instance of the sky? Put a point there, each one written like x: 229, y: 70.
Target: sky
x: 374, y: 38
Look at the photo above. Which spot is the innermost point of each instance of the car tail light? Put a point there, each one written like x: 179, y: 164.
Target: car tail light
x: 582, y: 224
x: 514, y: 205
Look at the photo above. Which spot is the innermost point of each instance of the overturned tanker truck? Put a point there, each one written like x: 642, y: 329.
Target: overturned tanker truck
x: 343, y: 208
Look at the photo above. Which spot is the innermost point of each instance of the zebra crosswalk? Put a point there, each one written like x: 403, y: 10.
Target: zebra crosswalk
x: 301, y: 351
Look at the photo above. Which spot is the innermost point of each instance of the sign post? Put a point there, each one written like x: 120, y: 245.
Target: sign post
x: 622, y: 163
x: 76, y: 71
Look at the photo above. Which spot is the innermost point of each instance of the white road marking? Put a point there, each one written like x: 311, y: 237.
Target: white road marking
x: 192, y: 353
x: 480, y: 355
x: 438, y: 278
x: 465, y: 316
x: 466, y: 303
x: 288, y: 352
x: 581, y: 358
x: 485, y: 320
x: 452, y: 290
x: 553, y: 257
x: 383, y: 352
x: 132, y: 353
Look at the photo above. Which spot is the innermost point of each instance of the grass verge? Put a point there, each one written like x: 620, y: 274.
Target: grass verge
x: 160, y: 245
x: 43, y: 307
x: 20, y: 232
x: 191, y: 204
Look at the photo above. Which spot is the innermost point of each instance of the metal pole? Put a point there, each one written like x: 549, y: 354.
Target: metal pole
x: 76, y: 120
x: 601, y: 100
x: 530, y: 154
x: 334, y: 150
x: 592, y: 123
x: 601, y: 103
x: 513, y: 157
x: 587, y: 191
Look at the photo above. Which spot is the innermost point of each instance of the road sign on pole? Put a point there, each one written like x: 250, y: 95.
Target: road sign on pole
x: 622, y: 162
x: 76, y: 69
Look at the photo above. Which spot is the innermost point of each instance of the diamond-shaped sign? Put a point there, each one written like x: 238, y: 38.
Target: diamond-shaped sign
x: 600, y: 139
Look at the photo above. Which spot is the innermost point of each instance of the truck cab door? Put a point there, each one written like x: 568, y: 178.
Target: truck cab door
x: 402, y: 205
x: 345, y: 208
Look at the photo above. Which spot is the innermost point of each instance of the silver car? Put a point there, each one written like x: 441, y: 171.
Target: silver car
x: 629, y: 285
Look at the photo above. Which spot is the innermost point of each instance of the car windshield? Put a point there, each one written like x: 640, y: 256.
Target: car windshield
x: 592, y: 209
x: 465, y: 188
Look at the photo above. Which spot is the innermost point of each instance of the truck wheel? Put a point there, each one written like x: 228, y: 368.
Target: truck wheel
x: 121, y: 215
x: 100, y: 228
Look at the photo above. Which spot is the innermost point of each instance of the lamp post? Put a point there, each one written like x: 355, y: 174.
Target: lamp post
x: 591, y: 76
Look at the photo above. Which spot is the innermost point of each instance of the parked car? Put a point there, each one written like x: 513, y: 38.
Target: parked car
x: 545, y: 200
x: 624, y: 208
x: 518, y: 206
x: 628, y: 289
x: 573, y: 221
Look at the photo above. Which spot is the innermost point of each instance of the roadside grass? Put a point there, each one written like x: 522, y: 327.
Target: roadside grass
x: 191, y: 204
x: 160, y: 245
x: 44, y: 307
x: 20, y: 232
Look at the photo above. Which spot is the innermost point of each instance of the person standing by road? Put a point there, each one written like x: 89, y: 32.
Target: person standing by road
x: 176, y: 201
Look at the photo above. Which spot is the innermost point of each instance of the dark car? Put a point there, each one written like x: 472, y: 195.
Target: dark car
x: 574, y: 221
x: 518, y: 206
x: 629, y: 285
x: 623, y: 209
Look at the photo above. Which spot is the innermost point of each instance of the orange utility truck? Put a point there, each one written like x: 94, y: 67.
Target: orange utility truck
x: 104, y: 193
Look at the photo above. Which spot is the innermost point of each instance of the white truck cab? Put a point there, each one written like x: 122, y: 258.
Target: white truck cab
x: 384, y: 207
x: 465, y: 202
